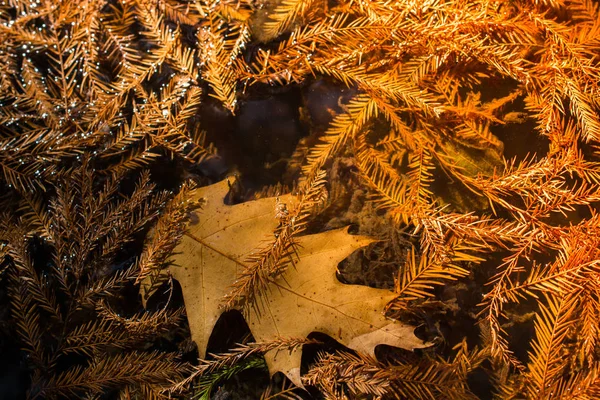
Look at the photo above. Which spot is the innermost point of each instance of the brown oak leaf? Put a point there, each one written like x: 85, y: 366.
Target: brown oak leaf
x: 308, y: 296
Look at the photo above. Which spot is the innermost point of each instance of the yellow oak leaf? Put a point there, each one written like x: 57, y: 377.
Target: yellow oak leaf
x: 306, y: 298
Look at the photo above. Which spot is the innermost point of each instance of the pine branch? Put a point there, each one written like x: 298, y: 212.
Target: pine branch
x: 234, y: 356
x: 343, y: 128
x: 122, y: 369
x: 206, y: 383
x: 272, y: 260
x: 167, y: 233
x: 427, y: 380
x: 416, y: 280
x: 285, y: 14
x: 27, y: 315
x: 26, y: 275
x: 552, y: 326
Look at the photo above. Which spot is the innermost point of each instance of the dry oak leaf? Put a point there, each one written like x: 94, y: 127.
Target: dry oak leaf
x: 306, y: 298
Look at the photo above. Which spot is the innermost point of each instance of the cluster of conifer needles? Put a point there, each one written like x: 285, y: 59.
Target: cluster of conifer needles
x: 111, y: 86
x: 61, y: 289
